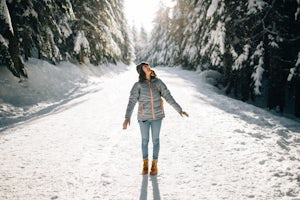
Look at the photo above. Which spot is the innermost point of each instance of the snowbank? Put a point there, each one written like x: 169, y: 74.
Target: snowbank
x: 211, y: 77
x: 48, y: 86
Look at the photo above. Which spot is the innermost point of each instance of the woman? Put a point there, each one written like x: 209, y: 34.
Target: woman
x: 148, y: 92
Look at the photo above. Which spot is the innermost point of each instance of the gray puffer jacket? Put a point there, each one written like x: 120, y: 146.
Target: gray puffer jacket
x: 150, y: 102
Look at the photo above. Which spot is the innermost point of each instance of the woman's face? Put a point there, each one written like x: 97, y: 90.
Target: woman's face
x: 147, y: 69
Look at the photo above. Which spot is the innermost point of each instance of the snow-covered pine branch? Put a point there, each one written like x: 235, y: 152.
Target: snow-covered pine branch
x: 258, y: 68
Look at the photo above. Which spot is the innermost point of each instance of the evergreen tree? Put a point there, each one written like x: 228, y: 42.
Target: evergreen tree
x: 283, y: 30
x: 38, y: 31
x: 9, y: 38
x: 178, y: 22
x: 89, y: 35
x: 134, y: 35
x: 238, y: 50
x: 50, y: 29
x: 141, y: 45
x: 100, y: 32
x: 124, y: 37
x: 94, y: 31
x: 159, y: 49
x: 255, y: 44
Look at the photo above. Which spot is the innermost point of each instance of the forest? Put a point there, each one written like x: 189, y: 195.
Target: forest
x: 85, y: 31
x: 254, y: 44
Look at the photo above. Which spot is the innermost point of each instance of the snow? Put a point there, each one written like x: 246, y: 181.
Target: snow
x: 233, y: 52
x: 298, y: 60
x: 70, y: 9
x: 81, y: 41
x: 238, y: 63
x: 297, y: 13
x: 30, y: 12
x: 48, y: 86
x: 226, y: 149
x: 66, y: 30
x: 258, y: 69
x: 216, y: 41
x: 291, y: 74
x: 5, y: 14
x: 293, y: 70
x: 3, y: 41
x: 56, y: 53
x: 212, y: 8
x: 255, y: 6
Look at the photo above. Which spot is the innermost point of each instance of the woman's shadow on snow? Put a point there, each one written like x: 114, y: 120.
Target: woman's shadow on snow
x: 144, y: 188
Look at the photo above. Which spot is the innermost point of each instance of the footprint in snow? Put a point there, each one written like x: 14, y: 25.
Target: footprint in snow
x: 239, y: 131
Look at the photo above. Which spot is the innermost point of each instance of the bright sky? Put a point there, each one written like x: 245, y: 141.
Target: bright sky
x: 142, y: 12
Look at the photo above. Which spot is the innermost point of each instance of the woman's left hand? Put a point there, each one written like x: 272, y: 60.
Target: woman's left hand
x: 182, y: 113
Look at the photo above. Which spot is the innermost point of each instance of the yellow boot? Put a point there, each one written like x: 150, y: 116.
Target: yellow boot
x: 145, y: 167
x: 153, y: 167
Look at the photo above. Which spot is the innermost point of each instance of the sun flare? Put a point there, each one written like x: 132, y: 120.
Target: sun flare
x: 142, y: 12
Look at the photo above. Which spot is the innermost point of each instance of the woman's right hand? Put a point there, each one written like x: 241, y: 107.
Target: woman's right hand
x: 126, y: 123
x: 182, y: 113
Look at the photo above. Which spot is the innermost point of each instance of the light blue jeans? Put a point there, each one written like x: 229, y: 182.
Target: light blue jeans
x: 155, y: 130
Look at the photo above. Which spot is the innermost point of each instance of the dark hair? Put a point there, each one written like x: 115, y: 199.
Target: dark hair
x: 140, y: 66
x: 142, y: 75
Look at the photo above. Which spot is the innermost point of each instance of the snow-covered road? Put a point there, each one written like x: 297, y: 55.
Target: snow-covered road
x: 226, y: 149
